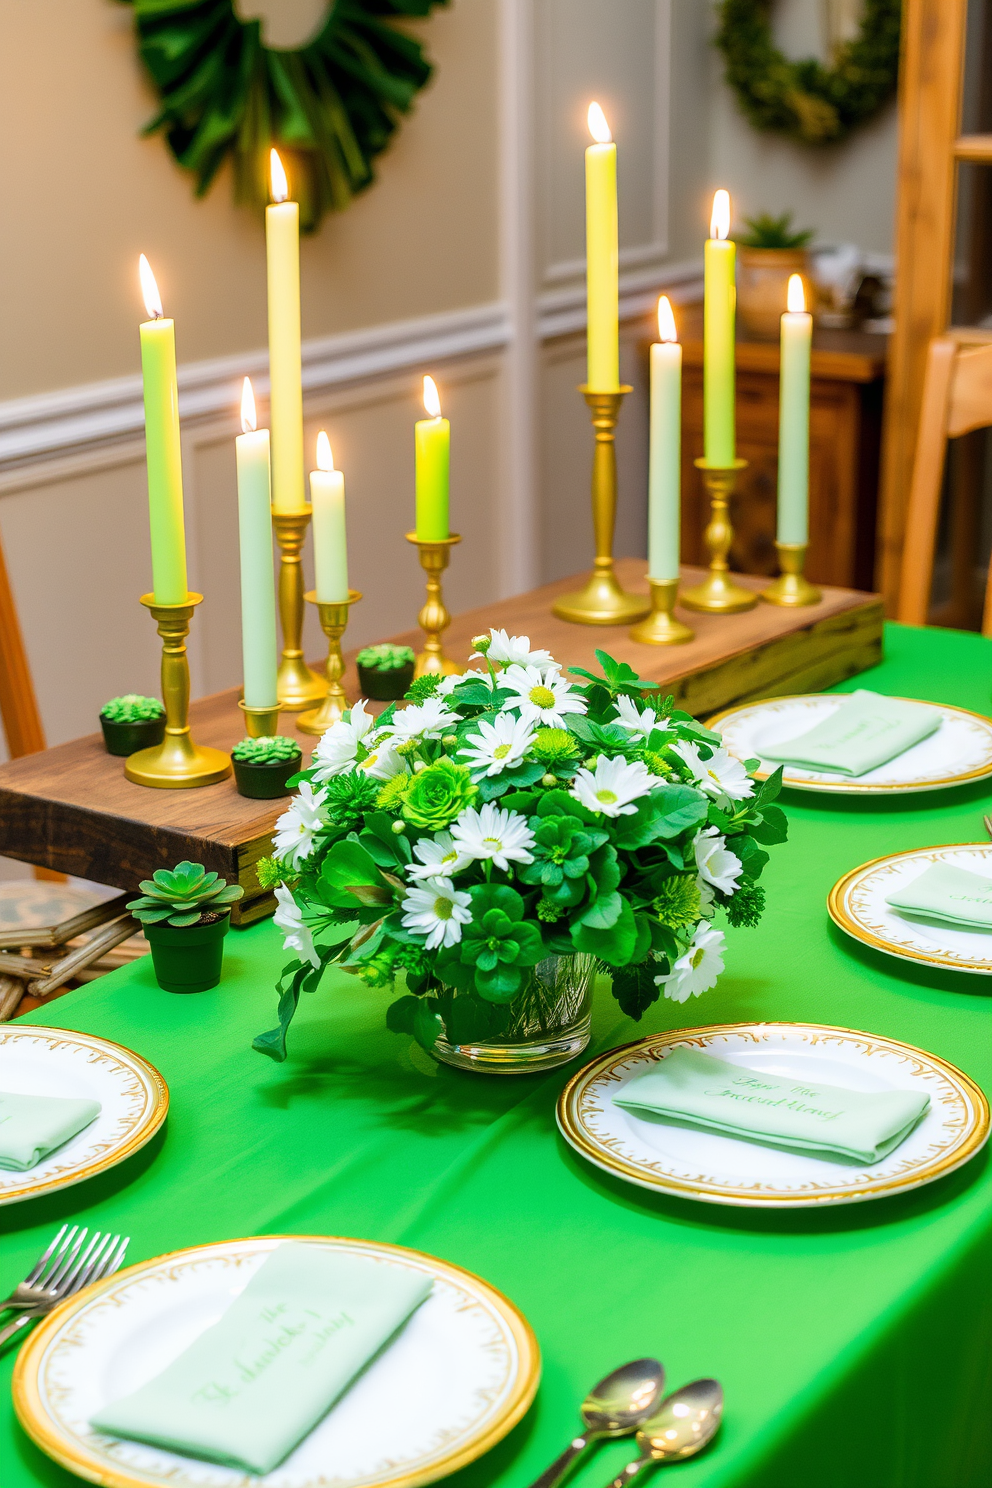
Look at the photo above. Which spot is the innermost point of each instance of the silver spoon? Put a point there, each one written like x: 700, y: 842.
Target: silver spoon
x: 683, y: 1424
x: 614, y: 1407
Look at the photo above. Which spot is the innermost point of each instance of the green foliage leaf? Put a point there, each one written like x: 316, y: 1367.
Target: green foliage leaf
x: 680, y: 808
x: 635, y: 989
x: 349, y: 875
x: 773, y: 827
x: 615, y: 945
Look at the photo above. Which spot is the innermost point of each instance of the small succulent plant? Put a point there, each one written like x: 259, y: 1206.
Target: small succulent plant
x: 131, y: 707
x: 273, y: 749
x: 766, y: 231
x: 385, y: 657
x: 182, y: 895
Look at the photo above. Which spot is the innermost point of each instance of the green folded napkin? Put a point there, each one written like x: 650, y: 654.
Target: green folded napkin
x: 248, y: 1390
x: 952, y: 895
x: 32, y: 1126
x: 691, y: 1086
x: 863, y: 733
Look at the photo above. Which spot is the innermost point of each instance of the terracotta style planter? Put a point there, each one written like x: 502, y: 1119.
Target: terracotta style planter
x: 762, y: 284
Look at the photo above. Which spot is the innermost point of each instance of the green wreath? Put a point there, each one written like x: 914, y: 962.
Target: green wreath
x: 329, y: 107
x: 805, y: 100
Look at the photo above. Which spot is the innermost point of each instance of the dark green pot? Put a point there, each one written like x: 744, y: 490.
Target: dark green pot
x: 265, y: 782
x: 188, y: 958
x: 128, y: 738
x: 385, y: 687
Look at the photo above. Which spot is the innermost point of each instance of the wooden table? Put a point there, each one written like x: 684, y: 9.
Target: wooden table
x: 847, y: 381
x: 70, y: 808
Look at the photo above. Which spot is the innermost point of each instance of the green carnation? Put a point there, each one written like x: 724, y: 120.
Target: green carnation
x: 678, y: 904
x: 390, y: 796
x: 553, y: 746
x: 437, y: 794
x: 657, y: 764
x: 349, y: 797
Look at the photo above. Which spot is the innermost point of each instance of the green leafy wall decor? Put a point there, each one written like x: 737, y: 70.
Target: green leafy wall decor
x: 329, y: 107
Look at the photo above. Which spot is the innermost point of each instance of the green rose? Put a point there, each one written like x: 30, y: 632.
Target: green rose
x: 498, y: 941
x: 561, y: 857
x: 437, y: 794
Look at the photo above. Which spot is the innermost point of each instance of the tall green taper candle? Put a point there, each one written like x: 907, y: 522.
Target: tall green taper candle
x: 258, y: 591
x: 719, y: 307
x: 282, y: 255
x: 793, y: 418
x: 162, y: 450
x: 664, y: 460
x: 602, y: 258
x: 432, y: 438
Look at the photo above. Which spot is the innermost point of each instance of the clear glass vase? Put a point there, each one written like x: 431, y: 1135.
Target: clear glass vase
x: 545, y: 1025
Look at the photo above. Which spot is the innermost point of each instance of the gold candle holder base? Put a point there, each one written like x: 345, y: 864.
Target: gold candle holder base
x: 177, y: 763
x: 603, y: 601
x: 434, y: 618
x: 333, y: 622
x: 718, y: 594
x: 661, y: 627
x: 297, y: 686
x: 260, y: 723
x: 791, y: 588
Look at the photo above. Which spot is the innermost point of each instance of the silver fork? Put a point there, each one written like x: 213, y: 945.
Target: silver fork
x: 103, y: 1256
x: 37, y: 1285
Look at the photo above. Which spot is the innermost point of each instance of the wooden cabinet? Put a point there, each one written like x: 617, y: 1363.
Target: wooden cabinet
x: 845, y: 432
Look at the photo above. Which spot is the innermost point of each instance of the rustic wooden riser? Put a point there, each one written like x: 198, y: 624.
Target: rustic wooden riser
x: 70, y: 808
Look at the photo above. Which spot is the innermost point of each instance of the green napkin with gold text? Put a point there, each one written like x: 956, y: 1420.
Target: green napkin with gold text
x: 690, y: 1086
x: 866, y: 731
x: 952, y: 895
x: 248, y: 1390
x: 32, y: 1126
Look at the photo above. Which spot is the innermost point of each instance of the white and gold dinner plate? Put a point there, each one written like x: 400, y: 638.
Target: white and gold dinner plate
x: 960, y: 750
x: 658, y: 1153
x: 133, y: 1097
x: 857, y: 905
x: 455, y: 1380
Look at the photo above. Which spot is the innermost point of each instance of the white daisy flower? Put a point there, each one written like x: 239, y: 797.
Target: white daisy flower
x: 715, y: 863
x: 437, y: 857
x: 542, y: 694
x: 337, y: 750
x: 637, y: 720
x: 437, y: 910
x: 698, y: 969
x: 289, y: 917
x: 497, y: 745
x: 612, y: 786
x: 503, y: 836
x: 427, y: 720
x: 722, y: 777
x: 382, y: 762
x: 295, y: 830
x: 507, y: 649
x: 447, y: 685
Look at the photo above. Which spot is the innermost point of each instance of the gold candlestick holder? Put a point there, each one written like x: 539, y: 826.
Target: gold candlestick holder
x: 297, y: 686
x: 333, y: 622
x: 791, y: 588
x: 260, y: 723
x: 177, y: 763
x: 661, y: 627
x: 603, y: 601
x: 718, y: 594
x: 434, y: 618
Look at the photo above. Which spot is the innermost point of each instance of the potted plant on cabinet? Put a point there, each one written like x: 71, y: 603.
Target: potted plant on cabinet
x: 132, y: 722
x: 385, y: 671
x: 186, y: 912
x: 770, y: 252
x: 263, y: 766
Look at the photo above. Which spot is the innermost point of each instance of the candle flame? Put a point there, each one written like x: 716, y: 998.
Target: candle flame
x: 325, y: 458
x: 666, y: 320
x: 598, y: 127
x: 277, y: 178
x: 248, y: 419
x: 431, y: 400
x: 149, y: 289
x: 720, y: 219
x: 796, y: 295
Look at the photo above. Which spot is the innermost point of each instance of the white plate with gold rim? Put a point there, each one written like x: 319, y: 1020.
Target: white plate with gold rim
x: 857, y: 905
x: 960, y: 750
x: 660, y: 1154
x: 455, y: 1380
x: 133, y: 1097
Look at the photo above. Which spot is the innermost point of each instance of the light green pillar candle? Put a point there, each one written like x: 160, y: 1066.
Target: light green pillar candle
x: 664, y: 460
x: 432, y: 437
x: 793, y: 419
x: 719, y: 309
x: 162, y: 450
x: 330, y: 543
x: 258, y: 594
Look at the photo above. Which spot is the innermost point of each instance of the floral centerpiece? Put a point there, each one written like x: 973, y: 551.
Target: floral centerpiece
x: 505, y: 834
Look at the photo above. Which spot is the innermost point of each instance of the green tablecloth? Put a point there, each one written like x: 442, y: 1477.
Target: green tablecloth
x: 851, y: 1344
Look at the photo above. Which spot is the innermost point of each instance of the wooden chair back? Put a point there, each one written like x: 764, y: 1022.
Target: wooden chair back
x: 957, y: 398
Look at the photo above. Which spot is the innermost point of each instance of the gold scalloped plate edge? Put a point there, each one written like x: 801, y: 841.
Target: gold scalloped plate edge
x: 94, y: 1469
x: 146, y: 1128
x: 851, y: 787
x: 571, y: 1129
x: 846, y: 922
